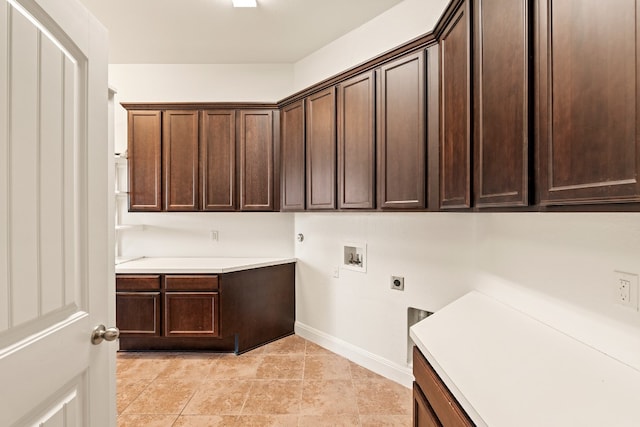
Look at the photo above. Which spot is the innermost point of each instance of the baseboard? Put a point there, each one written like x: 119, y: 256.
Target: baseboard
x: 381, y: 366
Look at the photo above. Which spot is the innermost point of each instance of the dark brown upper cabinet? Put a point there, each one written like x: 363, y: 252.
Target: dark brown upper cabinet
x: 455, y: 111
x: 145, y: 160
x: 256, y: 160
x: 180, y: 160
x: 356, y: 142
x: 321, y: 149
x: 401, y: 133
x: 501, y: 102
x: 218, y: 160
x: 588, y: 101
x: 292, y: 146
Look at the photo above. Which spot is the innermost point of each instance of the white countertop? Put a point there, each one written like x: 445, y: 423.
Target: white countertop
x: 507, y: 369
x: 196, y: 265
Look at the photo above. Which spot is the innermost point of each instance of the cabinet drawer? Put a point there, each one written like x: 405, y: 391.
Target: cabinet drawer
x: 138, y: 282
x: 138, y: 313
x: 191, y: 314
x: 190, y: 283
x: 446, y: 407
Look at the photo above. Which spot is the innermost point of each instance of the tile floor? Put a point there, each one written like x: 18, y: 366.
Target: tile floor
x: 290, y: 382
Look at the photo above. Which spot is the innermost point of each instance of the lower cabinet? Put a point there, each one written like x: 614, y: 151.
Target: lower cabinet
x: 191, y: 305
x: 228, y: 312
x: 433, y: 403
x: 138, y: 305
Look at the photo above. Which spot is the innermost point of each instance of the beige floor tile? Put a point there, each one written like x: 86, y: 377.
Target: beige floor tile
x: 235, y: 367
x: 267, y: 421
x: 187, y: 368
x: 281, y: 366
x: 219, y: 397
x: 383, y: 397
x: 127, y: 390
x: 163, y: 397
x: 329, y: 420
x: 271, y: 397
x: 386, y: 420
x: 146, y: 420
x: 331, y: 397
x: 315, y: 349
x: 292, y: 344
x: 140, y: 367
x: 360, y: 373
x: 326, y: 367
x: 205, y: 421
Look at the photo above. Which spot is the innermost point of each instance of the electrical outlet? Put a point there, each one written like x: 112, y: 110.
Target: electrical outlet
x: 397, y: 283
x: 625, y: 289
x: 213, y: 235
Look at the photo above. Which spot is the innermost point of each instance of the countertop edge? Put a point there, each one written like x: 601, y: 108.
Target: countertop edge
x: 137, y: 266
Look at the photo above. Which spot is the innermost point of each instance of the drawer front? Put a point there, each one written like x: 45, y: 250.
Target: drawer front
x: 138, y: 313
x: 191, y: 314
x: 138, y: 282
x: 446, y: 407
x: 190, y: 283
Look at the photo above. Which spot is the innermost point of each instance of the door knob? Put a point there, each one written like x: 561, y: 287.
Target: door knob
x: 100, y: 333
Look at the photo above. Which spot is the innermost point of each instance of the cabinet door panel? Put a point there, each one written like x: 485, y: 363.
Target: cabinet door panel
x: 145, y: 168
x: 191, y: 314
x: 321, y: 150
x: 501, y: 58
x: 423, y: 415
x: 180, y: 146
x: 401, y: 133
x: 138, y: 313
x: 256, y: 160
x: 218, y: 159
x: 455, y: 147
x: 356, y: 142
x: 589, y: 144
x: 292, y: 168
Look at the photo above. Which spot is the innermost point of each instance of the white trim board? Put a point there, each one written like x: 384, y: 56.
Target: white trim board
x: 402, y: 375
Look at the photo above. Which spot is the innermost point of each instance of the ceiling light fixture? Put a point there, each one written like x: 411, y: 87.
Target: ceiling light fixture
x: 244, y: 3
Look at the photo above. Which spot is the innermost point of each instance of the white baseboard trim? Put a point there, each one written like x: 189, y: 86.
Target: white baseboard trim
x: 401, y: 374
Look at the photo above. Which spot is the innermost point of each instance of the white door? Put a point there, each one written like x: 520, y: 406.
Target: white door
x: 56, y: 262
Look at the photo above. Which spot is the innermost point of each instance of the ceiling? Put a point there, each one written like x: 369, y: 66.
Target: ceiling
x: 213, y: 32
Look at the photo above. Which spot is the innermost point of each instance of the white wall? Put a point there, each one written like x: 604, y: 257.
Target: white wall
x: 432, y: 252
x: 403, y: 22
x: 559, y: 268
x: 247, y: 234
x: 556, y: 267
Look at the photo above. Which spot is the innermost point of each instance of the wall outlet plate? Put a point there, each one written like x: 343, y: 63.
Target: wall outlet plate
x: 625, y: 289
x: 335, y: 273
x: 397, y: 283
